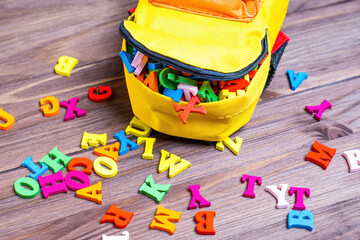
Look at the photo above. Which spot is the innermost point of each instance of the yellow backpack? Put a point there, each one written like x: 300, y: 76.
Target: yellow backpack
x: 215, y: 40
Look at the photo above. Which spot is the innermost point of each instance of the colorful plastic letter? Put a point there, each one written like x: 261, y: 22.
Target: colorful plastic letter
x: 236, y: 85
x: 141, y: 67
x: 279, y: 194
x: 138, y: 128
x: 207, y: 93
x: 119, y: 217
x: 152, y: 81
x: 108, y: 172
x: 93, y: 140
x: 303, y: 219
x: 131, y: 50
x: 149, y: 145
x: 155, y: 66
x: 103, y: 96
x: 91, y: 193
x: 83, y: 162
x: 139, y: 63
x: 71, y: 108
x: 299, y: 192
x: 79, y: 177
x: 321, y: 155
x: 173, y: 163
x: 176, y: 95
x: 249, y: 193
x: 36, y: 171
x: 240, y: 93
x: 154, y: 191
x: 157, y: 71
x: 164, y: 219
x: 137, y: 59
x: 65, y: 65
x: 319, y: 109
x: 205, y: 222
x: 7, y: 118
x: 127, y: 61
x: 53, y: 184
x: 296, y: 79
x: 220, y: 146
x: 353, y: 160
x: 53, y: 160
x: 226, y: 94
x: 197, y: 198
x: 124, y: 143
x: 47, y: 111
x: 26, y: 192
x: 189, y: 90
x: 189, y: 108
x: 180, y: 79
x: 124, y: 236
x: 234, y: 146
x: 111, y: 151
x: 222, y: 84
x: 165, y: 81
x: 247, y: 77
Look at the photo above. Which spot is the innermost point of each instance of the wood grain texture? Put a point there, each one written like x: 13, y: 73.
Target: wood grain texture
x: 324, y: 43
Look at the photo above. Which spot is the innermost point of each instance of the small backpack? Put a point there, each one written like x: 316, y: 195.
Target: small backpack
x: 218, y: 43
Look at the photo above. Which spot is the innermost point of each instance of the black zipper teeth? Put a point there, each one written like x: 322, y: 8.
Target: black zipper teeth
x: 188, y: 68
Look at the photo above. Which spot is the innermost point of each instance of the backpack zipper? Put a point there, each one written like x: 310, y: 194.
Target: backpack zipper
x: 202, y: 73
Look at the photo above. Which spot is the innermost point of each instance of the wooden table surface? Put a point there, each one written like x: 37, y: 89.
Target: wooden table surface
x: 325, y: 43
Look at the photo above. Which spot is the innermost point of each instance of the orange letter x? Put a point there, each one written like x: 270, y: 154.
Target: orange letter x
x: 190, y: 107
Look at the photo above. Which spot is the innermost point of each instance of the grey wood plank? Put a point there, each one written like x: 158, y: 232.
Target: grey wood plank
x: 276, y: 154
